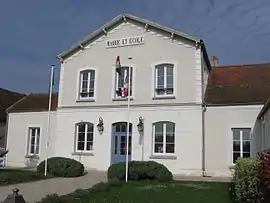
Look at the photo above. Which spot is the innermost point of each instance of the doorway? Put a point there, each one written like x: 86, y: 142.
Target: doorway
x: 119, y: 138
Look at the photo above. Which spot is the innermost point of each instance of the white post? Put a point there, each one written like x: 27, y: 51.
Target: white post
x: 128, y: 116
x: 49, y: 119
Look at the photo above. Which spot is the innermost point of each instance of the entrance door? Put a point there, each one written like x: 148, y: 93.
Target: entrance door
x: 119, y: 142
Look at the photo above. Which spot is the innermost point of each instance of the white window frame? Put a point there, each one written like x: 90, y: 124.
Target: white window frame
x: 241, y: 141
x: 89, y: 71
x: 154, y: 79
x: 85, y: 137
x: 116, y: 77
x: 29, y: 144
x: 164, y: 138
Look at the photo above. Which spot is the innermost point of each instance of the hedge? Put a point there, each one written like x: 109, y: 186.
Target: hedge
x: 246, y: 182
x: 62, y: 167
x: 140, y: 170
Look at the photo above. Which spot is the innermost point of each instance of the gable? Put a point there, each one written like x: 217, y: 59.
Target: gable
x: 146, y: 25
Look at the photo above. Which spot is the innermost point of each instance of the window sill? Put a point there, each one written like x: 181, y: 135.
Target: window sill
x: 29, y: 156
x: 231, y: 167
x: 122, y: 99
x: 163, y: 97
x: 83, y: 153
x: 163, y: 157
x: 85, y: 100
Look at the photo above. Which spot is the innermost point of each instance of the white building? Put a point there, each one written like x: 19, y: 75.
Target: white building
x: 192, y: 114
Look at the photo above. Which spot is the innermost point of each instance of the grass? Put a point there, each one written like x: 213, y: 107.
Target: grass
x: 147, y: 191
x: 13, y: 176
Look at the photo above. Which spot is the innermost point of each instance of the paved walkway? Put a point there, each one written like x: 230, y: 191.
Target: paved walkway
x: 34, y: 191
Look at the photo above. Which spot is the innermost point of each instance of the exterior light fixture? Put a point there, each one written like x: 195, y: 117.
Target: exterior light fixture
x: 140, y: 125
x: 100, y: 126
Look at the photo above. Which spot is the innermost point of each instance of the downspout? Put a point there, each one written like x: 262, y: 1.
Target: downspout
x: 203, y: 116
x: 203, y: 140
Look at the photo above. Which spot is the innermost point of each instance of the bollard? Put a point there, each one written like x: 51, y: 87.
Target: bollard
x: 15, y: 197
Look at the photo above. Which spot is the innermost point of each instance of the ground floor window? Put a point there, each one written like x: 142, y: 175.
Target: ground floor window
x: 241, y: 143
x: 163, y: 137
x: 33, y: 141
x: 84, y: 137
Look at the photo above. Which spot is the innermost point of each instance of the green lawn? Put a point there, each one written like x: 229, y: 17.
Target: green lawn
x: 13, y: 176
x: 146, y: 191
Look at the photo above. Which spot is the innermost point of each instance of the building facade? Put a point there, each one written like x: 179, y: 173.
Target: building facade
x: 176, y: 115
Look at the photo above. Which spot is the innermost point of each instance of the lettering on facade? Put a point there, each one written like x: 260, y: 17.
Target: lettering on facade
x: 127, y: 41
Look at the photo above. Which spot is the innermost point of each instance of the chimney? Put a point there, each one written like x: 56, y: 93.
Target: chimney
x: 214, y: 61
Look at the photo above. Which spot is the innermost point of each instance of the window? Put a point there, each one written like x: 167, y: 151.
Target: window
x: 241, y: 143
x: 33, y: 141
x: 84, y: 137
x: 164, y: 80
x: 87, y: 84
x: 164, y: 137
x: 121, y: 84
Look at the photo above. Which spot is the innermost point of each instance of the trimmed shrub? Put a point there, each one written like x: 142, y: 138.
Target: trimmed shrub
x: 62, y: 167
x: 140, y: 170
x: 246, y: 187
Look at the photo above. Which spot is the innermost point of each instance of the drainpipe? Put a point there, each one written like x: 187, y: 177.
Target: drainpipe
x: 203, y: 116
x: 203, y: 140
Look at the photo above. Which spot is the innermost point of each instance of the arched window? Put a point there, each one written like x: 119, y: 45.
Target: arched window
x: 87, y: 84
x: 164, y: 79
x: 164, y: 137
x: 84, y: 137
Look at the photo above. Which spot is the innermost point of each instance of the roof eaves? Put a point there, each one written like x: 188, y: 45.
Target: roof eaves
x: 264, y: 109
x: 233, y: 104
x: 118, y: 19
x: 13, y: 105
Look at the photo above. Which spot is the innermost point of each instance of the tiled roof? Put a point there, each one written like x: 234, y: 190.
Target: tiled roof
x: 7, y: 98
x: 239, y: 84
x: 35, y: 103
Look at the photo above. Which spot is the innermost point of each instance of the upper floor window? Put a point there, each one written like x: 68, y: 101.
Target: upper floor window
x: 87, y: 84
x: 164, y: 137
x: 33, y: 147
x: 241, y: 143
x: 164, y: 80
x: 122, y: 80
x: 84, y: 137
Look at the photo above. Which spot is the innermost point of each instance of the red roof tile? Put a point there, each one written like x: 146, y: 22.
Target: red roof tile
x: 35, y: 103
x: 239, y: 84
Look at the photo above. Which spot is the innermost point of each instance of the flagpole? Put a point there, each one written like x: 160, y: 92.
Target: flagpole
x: 49, y: 120
x: 128, y: 116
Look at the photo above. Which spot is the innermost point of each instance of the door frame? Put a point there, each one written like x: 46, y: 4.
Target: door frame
x: 119, y: 135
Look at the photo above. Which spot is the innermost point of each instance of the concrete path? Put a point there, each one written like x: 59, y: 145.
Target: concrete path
x: 34, y: 191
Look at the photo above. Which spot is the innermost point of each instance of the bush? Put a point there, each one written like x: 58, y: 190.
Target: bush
x: 140, y: 170
x: 3, y: 153
x: 264, y: 172
x: 62, y: 167
x: 53, y: 198
x: 246, y: 187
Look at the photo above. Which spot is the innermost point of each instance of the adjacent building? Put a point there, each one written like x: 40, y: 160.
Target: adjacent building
x: 194, y: 118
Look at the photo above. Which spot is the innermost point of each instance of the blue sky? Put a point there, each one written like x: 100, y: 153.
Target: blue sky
x: 33, y: 32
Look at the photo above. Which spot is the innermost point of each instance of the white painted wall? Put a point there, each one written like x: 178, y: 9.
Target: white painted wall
x: 262, y: 131
x: 188, y: 135
x: 219, y: 121
x: 18, y: 132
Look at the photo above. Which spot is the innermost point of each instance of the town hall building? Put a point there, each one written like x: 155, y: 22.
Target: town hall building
x: 186, y: 113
